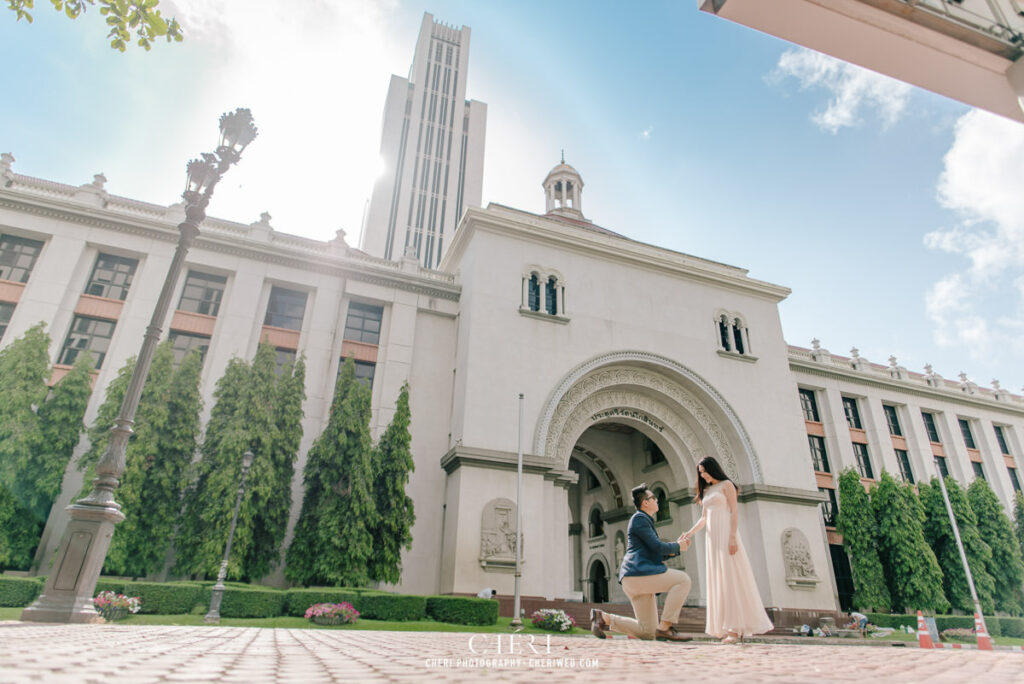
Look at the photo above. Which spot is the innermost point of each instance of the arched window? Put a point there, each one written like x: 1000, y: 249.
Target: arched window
x: 551, y: 296
x: 596, y: 524
x: 534, y: 293
x: 737, y: 333
x: 723, y: 332
x: 663, y: 511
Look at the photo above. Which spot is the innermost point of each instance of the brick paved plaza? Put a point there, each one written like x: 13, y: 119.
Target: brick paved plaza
x: 119, y: 653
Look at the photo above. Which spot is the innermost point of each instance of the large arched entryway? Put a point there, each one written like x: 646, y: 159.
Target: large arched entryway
x: 628, y: 418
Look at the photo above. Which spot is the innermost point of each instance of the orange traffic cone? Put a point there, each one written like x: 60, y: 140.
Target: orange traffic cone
x: 924, y: 639
x: 984, y: 640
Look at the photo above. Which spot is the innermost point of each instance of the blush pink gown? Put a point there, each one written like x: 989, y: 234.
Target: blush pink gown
x: 734, y: 603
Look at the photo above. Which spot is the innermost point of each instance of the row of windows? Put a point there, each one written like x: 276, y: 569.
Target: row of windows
x: 819, y: 455
x: 809, y: 405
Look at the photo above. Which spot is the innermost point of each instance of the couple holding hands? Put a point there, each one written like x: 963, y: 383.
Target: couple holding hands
x: 734, y: 606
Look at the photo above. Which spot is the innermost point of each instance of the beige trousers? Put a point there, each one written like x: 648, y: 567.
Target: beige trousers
x: 641, y: 590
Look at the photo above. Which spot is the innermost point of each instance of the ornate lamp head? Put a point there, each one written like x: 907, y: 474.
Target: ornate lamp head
x: 237, y: 130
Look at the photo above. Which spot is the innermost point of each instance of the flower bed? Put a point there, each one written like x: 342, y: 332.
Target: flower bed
x: 553, y: 620
x: 332, y: 613
x: 113, y: 606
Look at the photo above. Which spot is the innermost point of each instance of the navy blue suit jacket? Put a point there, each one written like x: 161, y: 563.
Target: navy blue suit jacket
x: 645, y: 552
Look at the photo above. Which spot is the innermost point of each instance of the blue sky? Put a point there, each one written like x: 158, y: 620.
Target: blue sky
x: 895, y: 215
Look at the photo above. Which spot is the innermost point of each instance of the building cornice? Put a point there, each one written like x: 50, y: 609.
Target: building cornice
x: 910, y: 386
x: 227, y: 238
x: 506, y: 221
x: 461, y: 456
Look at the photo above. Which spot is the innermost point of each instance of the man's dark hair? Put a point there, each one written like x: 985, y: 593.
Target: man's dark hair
x: 639, y: 492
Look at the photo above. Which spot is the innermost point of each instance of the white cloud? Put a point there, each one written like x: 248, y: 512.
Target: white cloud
x: 853, y: 90
x: 981, y: 307
x: 647, y: 133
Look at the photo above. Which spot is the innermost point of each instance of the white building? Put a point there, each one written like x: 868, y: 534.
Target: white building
x: 635, y: 362
x: 969, y: 50
x: 432, y: 145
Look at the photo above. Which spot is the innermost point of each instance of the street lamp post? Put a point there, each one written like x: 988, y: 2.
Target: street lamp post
x: 67, y: 596
x: 213, y: 616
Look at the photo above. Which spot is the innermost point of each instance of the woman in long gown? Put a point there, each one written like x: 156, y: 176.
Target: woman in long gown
x: 734, y: 603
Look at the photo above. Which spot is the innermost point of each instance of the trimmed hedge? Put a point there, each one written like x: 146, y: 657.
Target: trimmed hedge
x: 462, y: 610
x: 893, y: 621
x: 166, y: 598
x: 114, y: 585
x: 16, y: 592
x: 1010, y: 626
x: 391, y: 607
x: 298, y: 600
x: 249, y: 603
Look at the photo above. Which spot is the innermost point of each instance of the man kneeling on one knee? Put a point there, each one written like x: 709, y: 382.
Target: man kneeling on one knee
x: 643, y: 575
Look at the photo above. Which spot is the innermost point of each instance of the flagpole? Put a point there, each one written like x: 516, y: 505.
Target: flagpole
x: 963, y: 554
x: 516, y: 621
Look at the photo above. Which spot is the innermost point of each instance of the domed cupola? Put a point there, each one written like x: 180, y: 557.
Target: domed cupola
x: 563, y: 190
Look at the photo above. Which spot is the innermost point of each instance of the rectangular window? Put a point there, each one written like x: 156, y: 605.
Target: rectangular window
x: 285, y: 308
x: 829, y: 508
x: 1013, y: 479
x: 852, y: 413
x: 978, y: 470
x: 90, y: 335
x: 863, y: 461
x: 6, y: 311
x: 182, y: 343
x: 364, y: 371
x: 1004, y: 448
x: 809, y: 404
x: 818, y: 456
x: 940, y: 465
x: 903, y: 459
x: 18, y: 257
x: 363, y: 323
x: 965, y: 430
x: 111, y: 277
x: 202, y: 293
x: 893, y: 420
x: 284, y: 357
x: 930, y: 428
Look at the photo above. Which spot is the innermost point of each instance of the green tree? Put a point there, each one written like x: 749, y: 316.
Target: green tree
x: 61, y: 428
x: 333, y: 539
x: 155, y: 462
x: 122, y: 16
x: 915, y: 580
x: 856, y: 522
x: 392, y: 465
x: 1018, y: 517
x: 24, y: 369
x: 208, y: 503
x: 245, y: 416
x: 279, y: 408
x: 99, y: 432
x: 1006, y: 565
x: 939, y: 534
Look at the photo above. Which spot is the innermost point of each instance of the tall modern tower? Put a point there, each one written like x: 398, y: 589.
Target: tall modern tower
x: 432, y: 144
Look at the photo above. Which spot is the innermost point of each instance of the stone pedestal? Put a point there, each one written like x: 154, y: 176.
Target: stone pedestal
x: 67, y: 596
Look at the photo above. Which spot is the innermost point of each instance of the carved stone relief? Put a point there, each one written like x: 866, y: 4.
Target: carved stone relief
x: 620, y: 549
x: 796, y: 554
x: 498, y: 536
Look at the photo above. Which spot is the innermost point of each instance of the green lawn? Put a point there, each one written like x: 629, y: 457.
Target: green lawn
x: 302, y: 623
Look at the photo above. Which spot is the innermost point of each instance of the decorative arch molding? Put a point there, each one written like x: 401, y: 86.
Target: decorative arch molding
x: 589, y: 378
x: 590, y: 459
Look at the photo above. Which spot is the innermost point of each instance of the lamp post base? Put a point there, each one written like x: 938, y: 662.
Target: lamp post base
x: 67, y: 596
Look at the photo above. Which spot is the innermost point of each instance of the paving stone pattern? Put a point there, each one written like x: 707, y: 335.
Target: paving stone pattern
x: 111, y: 654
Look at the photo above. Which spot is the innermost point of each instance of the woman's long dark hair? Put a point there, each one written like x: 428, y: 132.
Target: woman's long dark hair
x: 712, y: 468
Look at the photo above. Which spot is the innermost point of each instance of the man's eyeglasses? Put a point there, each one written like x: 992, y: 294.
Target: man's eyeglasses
x: 650, y: 497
